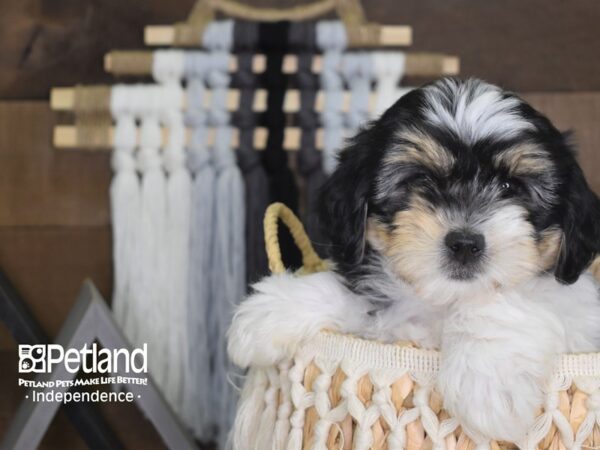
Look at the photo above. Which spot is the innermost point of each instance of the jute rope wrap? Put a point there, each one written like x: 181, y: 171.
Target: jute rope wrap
x: 341, y: 392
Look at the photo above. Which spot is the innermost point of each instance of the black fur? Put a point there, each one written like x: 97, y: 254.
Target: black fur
x: 580, y: 212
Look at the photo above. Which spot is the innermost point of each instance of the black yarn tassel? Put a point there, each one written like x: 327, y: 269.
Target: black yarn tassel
x: 303, y: 42
x: 273, y: 40
x: 249, y: 160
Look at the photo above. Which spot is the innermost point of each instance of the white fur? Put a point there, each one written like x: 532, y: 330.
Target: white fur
x: 497, y: 347
x: 474, y: 110
x: 497, y: 352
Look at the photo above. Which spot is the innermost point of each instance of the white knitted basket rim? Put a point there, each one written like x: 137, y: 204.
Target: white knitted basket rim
x: 377, y: 355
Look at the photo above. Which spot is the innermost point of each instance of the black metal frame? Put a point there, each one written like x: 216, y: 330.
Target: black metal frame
x: 90, y: 320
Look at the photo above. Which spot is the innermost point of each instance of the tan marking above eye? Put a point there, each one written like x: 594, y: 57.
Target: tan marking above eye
x: 524, y: 159
x: 419, y: 148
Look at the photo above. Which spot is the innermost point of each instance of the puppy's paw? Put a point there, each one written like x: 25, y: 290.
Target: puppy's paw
x: 282, y: 314
x: 496, y: 360
x: 254, y: 336
x: 489, y: 407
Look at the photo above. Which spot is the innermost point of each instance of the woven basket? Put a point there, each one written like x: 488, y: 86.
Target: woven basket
x: 341, y: 392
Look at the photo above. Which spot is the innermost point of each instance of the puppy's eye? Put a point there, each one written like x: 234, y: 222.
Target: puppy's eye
x: 509, y: 188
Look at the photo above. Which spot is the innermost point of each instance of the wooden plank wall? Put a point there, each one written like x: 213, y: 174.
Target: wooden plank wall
x: 54, y: 212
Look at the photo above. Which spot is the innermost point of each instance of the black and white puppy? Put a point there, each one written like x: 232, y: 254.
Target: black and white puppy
x: 459, y: 220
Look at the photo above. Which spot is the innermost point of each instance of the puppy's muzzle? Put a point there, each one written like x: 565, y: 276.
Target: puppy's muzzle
x: 464, y: 247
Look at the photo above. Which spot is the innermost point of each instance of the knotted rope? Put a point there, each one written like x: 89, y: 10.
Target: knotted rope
x: 331, y: 39
x: 250, y: 161
x: 389, y: 69
x: 273, y: 38
x: 125, y: 206
x: 153, y: 239
x: 228, y: 254
x: 168, y: 71
x: 357, y: 70
x: 310, y: 260
x: 197, y: 389
x: 302, y: 40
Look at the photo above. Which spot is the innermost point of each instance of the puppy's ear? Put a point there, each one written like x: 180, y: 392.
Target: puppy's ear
x: 580, y: 226
x: 343, y: 203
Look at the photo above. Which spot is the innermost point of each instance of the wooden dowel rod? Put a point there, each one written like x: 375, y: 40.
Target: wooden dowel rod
x: 66, y: 137
x: 63, y: 99
x: 390, y: 36
x: 159, y: 35
x: 418, y: 64
x: 395, y: 35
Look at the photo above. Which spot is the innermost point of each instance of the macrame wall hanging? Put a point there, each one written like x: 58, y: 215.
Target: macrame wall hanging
x: 199, y: 154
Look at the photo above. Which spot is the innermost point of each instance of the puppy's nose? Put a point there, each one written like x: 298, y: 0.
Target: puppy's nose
x: 465, y: 247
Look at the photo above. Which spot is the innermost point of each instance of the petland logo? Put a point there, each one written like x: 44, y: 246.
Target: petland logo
x: 44, y: 358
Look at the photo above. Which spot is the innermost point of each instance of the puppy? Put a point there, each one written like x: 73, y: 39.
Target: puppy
x: 459, y: 220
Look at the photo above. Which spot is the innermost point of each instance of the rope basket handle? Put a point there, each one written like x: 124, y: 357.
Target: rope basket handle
x: 311, y: 262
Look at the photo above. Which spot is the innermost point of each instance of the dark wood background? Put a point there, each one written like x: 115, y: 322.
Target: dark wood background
x: 54, y: 212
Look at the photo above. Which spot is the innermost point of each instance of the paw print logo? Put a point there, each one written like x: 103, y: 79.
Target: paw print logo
x: 32, y: 358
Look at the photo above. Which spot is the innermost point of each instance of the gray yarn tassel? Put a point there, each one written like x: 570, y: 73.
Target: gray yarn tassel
x: 197, y: 408
x: 331, y: 39
x: 358, y: 73
x: 228, y: 258
x: 229, y: 280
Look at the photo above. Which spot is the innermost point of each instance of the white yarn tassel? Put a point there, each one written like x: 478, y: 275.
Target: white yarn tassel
x: 153, y: 307
x: 389, y: 69
x: 331, y: 39
x: 178, y: 238
x: 168, y: 69
x: 125, y: 206
x: 266, y: 429
x: 168, y: 66
x: 250, y: 410
x: 198, y: 410
x: 282, y: 424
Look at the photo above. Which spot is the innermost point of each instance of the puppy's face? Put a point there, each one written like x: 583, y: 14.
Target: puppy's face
x: 460, y: 188
x: 453, y: 218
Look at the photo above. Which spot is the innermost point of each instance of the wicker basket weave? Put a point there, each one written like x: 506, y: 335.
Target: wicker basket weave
x: 341, y: 392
